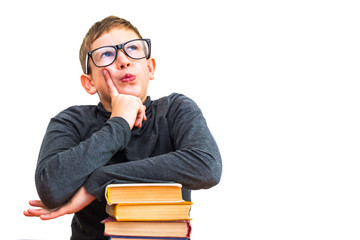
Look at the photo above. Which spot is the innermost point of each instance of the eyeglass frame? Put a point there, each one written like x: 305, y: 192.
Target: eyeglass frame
x: 117, y: 47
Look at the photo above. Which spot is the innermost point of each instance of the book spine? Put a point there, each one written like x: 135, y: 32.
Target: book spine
x: 107, y: 197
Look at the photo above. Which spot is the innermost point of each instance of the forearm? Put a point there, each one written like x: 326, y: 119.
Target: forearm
x: 193, y: 168
x: 65, y: 164
x: 193, y: 160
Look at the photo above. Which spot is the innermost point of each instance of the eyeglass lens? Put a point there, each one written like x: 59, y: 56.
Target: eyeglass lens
x: 106, y: 55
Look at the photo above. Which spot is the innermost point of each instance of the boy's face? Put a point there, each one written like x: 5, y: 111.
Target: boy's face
x: 129, y: 76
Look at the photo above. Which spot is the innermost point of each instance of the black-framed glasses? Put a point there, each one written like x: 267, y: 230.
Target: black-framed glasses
x: 106, y: 55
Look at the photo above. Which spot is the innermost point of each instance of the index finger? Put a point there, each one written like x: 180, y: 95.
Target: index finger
x: 37, y: 203
x: 109, y: 83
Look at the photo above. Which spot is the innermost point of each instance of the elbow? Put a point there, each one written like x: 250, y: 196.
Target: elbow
x: 210, y: 175
x: 48, y: 191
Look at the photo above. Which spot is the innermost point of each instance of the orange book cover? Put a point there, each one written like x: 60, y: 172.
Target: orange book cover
x: 143, y: 192
x: 150, y: 211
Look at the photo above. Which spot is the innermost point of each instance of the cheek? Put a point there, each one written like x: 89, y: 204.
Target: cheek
x: 99, y: 81
x: 113, y: 71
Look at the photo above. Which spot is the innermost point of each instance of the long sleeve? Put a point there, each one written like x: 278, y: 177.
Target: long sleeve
x: 83, y: 147
x: 66, y: 159
x: 194, y: 162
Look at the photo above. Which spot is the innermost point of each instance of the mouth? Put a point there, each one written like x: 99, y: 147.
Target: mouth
x: 128, y: 78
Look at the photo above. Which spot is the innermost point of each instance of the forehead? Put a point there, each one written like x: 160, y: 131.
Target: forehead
x: 113, y: 37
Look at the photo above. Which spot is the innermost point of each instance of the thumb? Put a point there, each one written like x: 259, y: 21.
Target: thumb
x: 110, y: 84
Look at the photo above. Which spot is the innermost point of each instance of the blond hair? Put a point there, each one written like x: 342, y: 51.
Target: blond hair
x: 97, y: 30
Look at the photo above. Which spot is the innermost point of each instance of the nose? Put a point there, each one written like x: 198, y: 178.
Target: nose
x: 122, y: 60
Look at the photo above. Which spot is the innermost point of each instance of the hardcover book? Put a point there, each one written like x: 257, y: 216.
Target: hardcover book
x: 170, y: 229
x: 143, y: 193
x: 150, y: 211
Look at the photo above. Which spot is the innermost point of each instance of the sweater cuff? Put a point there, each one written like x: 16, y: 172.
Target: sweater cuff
x: 123, y: 125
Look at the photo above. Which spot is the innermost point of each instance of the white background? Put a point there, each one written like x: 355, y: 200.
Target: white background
x: 278, y: 82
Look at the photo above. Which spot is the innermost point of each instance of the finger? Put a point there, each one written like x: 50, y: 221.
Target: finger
x: 55, y: 214
x: 140, y: 116
x: 144, y: 118
x: 138, y: 121
x: 28, y: 214
x: 36, y: 212
x: 110, y: 84
x: 37, y: 203
x: 144, y: 113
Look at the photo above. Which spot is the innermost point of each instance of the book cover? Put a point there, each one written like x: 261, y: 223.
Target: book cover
x: 169, y: 229
x: 150, y: 211
x: 143, y: 192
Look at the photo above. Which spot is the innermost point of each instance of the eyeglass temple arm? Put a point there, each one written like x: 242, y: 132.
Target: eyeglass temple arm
x: 86, y: 64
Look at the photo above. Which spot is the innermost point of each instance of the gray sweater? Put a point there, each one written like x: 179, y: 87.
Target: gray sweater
x: 83, y: 147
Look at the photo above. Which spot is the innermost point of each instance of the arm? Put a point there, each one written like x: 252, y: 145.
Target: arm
x: 65, y: 162
x: 195, y: 163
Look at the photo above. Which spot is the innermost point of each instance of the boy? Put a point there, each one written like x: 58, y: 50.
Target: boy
x: 126, y: 138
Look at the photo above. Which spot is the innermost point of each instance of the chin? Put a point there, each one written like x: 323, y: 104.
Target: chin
x: 132, y: 93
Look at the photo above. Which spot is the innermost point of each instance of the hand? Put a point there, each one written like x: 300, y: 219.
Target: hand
x: 126, y: 106
x: 79, y: 201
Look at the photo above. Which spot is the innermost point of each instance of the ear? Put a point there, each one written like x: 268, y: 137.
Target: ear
x: 87, y: 83
x: 151, y: 68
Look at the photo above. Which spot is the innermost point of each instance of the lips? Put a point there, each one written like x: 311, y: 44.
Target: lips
x: 128, y: 78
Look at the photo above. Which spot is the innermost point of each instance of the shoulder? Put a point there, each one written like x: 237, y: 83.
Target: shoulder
x: 177, y: 107
x: 177, y: 101
x: 80, y: 118
x: 77, y: 112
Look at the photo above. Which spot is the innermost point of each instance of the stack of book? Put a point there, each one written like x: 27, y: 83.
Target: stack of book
x: 147, y: 211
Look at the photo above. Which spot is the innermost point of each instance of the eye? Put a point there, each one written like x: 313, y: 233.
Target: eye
x: 108, y: 54
x: 104, y: 56
x: 136, y: 49
x: 132, y: 47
